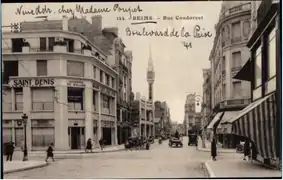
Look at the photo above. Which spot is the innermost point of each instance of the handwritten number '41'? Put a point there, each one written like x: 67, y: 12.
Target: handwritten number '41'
x: 187, y: 44
x: 120, y: 18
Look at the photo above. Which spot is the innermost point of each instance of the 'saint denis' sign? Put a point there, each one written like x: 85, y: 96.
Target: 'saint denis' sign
x: 46, y: 82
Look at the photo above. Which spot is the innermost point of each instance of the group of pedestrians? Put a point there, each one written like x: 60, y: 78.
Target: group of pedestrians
x: 9, y: 149
x: 89, y: 145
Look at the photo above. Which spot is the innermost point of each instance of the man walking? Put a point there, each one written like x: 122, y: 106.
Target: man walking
x: 10, y: 151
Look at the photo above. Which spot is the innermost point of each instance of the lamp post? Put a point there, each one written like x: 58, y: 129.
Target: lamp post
x: 198, y: 99
x: 24, y: 119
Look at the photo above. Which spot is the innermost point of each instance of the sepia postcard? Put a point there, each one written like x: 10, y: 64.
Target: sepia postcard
x: 141, y: 90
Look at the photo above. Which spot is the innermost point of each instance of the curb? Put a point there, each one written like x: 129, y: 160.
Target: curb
x: 218, y: 151
x: 25, y: 168
x: 210, y: 172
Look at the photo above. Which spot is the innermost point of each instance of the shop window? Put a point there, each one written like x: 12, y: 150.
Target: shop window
x: 75, y: 99
x: 18, y: 99
x: 19, y: 136
x: 75, y: 68
x: 42, y: 133
x: 41, y: 66
x: 7, y: 131
x: 42, y: 99
x: 10, y: 69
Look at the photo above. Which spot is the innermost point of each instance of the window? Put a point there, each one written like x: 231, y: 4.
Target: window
x: 75, y: 68
x: 107, y: 79
x: 246, y: 29
x: 272, y: 54
x: 41, y: 66
x: 51, y: 41
x: 42, y: 133
x: 75, y: 99
x: 17, y: 45
x: 7, y: 101
x: 10, y: 69
x: 223, y: 63
x: 101, y: 76
x: 258, y: 67
x: 70, y: 45
x: 18, y: 99
x: 42, y: 45
x: 94, y: 101
x: 236, y: 61
x: 105, y: 104
x: 113, y: 82
x: 94, y: 72
x: 237, y: 89
x: 42, y: 99
x: 236, y: 32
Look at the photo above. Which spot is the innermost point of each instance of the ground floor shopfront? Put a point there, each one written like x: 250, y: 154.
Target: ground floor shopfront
x: 66, y: 112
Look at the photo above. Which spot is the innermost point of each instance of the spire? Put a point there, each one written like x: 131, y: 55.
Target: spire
x: 150, y: 61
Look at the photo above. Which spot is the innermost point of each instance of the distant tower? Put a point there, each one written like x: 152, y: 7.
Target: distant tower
x: 150, y: 76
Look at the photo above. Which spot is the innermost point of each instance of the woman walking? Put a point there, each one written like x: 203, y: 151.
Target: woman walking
x: 49, y: 152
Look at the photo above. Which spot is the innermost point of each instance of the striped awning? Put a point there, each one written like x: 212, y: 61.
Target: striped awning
x: 225, y: 118
x: 258, y: 122
x: 216, y: 118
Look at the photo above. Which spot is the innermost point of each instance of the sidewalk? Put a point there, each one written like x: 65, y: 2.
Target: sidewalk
x: 208, y: 146
x: 233, y: 165
x: 15, y: 166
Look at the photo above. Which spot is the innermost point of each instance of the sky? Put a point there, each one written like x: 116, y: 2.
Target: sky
x: 178, y: 70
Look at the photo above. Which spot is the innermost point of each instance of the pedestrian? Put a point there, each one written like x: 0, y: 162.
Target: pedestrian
x: 10, y: 151
x: 247, y: 150
x: 101, y: 143
x: 49, y: 152
x: 213, y: 149
x: 88, y: 145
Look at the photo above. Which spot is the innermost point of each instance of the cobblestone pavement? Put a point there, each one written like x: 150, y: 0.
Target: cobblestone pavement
x: 158, y: 162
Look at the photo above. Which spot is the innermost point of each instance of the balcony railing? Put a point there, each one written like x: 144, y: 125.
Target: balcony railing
x: 237, y: 9
x: 43, y: 106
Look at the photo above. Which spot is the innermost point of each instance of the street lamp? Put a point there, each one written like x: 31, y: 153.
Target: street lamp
x: 24, y: 119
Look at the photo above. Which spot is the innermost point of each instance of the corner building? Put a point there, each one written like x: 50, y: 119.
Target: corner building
x: 64, y: 84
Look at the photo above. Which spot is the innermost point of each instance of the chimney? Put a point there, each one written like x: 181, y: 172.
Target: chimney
x: 96, y: 22
x: 65, y: 23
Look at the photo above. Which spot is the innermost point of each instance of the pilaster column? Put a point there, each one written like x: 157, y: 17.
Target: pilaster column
x: 88, y: 98
x: 13, y: 99
x: 61, y: 117
x: 27, y: 98
x: 99, y: 129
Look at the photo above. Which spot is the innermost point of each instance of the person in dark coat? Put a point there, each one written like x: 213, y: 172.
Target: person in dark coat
x: 213, y: 149
x: 177, y: 135
x: 247, y: 149
x: 101, y: 143
x: 49, y: 152
x: 10, y: 151
x: 88, y: 146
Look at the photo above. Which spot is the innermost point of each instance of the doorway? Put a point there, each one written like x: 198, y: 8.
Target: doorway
x: 76, y: 137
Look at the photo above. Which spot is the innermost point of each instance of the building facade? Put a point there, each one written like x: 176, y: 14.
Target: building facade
x: 228, y: 55
x: 263, y: 70
x: 189, y: 111
x: 142, y: 116
x: 62, y: 81
x: 207, y: 97
x: 162, y: 120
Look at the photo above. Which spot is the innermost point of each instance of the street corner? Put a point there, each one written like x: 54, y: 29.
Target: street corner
x: 16, y: 166
x: 208, y: 169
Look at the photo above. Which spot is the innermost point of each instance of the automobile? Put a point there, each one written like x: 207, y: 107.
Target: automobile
x: 177, y: 142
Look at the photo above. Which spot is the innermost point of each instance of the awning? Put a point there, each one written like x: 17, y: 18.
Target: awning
x: 258, y: 122
x: 245, y: 72
x: 226, y: 117
x: 216, y: 118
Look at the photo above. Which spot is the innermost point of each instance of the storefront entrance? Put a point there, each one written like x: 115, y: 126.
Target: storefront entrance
x: 76, y: 137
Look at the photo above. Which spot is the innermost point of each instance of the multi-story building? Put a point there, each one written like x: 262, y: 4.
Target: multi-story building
x: 62, y: 81
x: 228, y: 55
x: 189, y: 111
x: 142, y: 117
x: 263, y: 115
x: 207, y: 97
x: 162, y: 120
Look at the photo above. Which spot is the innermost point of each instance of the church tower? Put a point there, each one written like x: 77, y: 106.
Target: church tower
x: 150, y: 76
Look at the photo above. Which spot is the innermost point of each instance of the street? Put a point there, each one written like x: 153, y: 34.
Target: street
x: 158, y: 162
